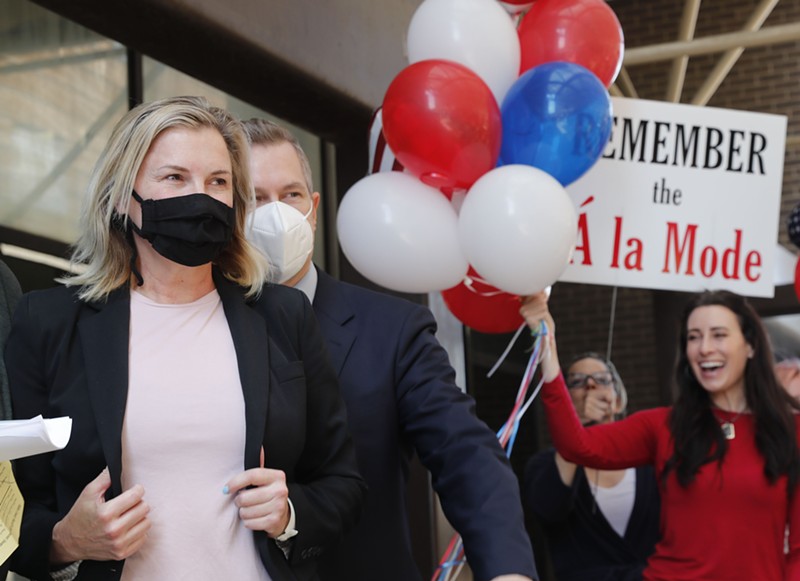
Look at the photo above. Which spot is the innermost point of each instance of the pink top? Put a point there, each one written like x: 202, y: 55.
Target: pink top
x: 182, y: 439
x: 729, y: 524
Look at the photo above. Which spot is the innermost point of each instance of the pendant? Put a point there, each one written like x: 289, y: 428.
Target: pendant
x: 728, y: 430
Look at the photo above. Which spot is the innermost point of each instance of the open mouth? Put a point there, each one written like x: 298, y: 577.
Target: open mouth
x: 710, y: 368
x: 710, y: 365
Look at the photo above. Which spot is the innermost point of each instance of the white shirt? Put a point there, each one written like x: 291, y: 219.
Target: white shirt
x: 617, y: 502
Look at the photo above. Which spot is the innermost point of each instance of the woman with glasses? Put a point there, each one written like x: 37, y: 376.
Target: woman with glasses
x: 599, y: 524
x: 725, y: 453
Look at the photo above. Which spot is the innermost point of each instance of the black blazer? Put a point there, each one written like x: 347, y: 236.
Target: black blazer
x: 402, y: 398
x: 582, y: 543
x: 69, y: 357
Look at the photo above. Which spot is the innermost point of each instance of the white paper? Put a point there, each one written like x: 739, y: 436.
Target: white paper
x: 21, y: 438
x: 11, y: 505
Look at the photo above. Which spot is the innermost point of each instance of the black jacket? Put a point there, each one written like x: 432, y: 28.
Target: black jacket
x: 69, y: 357
x: 582, y: 543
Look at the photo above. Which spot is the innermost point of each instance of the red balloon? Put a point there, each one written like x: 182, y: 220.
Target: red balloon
x: 584, y: 32
x: 482, y: 307
x: 797, y: 279
x: 443, y: 124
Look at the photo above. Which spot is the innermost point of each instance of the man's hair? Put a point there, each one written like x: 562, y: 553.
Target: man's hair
x: 102, y: 246
x: 266, y: 132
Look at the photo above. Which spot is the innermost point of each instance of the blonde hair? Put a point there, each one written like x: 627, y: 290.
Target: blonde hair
x: 102, y: 246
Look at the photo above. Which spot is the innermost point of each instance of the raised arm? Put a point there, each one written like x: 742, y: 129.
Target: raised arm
x: 623, y: 444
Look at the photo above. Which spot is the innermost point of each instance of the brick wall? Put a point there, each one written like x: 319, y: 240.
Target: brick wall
x: 765, y: 79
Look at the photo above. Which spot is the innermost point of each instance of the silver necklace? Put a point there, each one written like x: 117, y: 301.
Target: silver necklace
x: 728, y: 429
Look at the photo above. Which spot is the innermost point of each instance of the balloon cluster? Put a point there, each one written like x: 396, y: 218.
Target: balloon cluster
x: 503, y: 104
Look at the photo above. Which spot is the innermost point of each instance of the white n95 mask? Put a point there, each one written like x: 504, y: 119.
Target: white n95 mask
x: 284, y: 234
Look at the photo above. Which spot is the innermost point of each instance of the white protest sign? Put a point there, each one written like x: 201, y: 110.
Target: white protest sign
x: 684, y: 198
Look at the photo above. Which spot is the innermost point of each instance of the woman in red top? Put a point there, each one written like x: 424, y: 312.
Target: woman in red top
x: 726, y: 452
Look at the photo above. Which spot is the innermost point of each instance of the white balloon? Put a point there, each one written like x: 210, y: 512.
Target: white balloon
x: 478, y: 34
x: 401, y: 234
x: 518, y: 227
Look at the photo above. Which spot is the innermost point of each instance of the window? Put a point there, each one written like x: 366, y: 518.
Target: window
x: 62, y: 89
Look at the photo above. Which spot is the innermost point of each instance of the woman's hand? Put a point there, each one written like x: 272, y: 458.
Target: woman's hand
x: 263, y: 499
x: 598, y: 406
x: 100, y: 530
x: 534, y: 310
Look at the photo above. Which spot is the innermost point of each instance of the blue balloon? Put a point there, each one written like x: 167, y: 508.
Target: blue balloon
x: 556, y: 117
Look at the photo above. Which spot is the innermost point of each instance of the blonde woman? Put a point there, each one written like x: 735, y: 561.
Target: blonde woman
x: 209, y: 438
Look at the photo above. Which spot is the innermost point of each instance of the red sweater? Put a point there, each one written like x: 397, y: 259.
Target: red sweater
x: 728, y: 525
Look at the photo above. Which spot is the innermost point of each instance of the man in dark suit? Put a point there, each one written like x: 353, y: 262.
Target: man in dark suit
x: 400, y: 393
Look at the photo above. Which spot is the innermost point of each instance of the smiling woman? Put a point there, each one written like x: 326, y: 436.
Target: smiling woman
x: 717, y: 353
x: 726, y: 453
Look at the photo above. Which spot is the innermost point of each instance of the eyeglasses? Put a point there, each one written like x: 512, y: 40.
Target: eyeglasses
x: 576, y: 380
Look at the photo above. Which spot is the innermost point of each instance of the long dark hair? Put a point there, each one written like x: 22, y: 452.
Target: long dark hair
x: 697, y: 436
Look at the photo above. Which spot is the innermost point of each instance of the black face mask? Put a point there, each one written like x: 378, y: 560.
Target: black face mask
x: 190, y: 230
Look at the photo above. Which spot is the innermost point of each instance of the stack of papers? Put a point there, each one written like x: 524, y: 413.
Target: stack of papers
x: 20, y: 438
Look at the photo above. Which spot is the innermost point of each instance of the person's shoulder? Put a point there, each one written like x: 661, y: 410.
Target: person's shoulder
x: 542, y: 456
x: 647, y: 471
x: 549, y: 451
x: 380, y: 301
x: 54, y: 309
x: 56, y: 298
x: 277, y: 299
x: 9, y: 280
x: 278, y: 292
